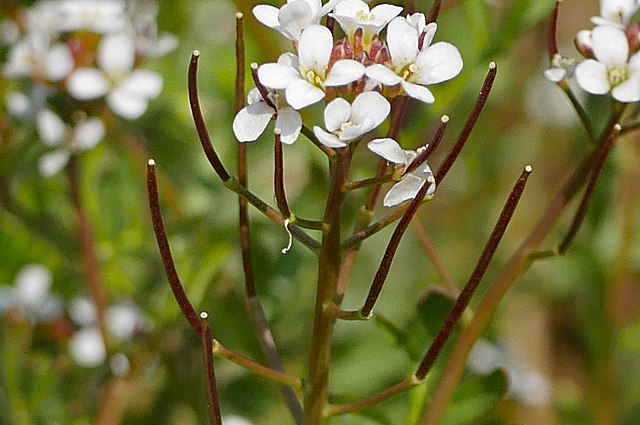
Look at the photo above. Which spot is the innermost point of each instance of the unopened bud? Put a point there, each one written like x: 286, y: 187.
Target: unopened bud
x: 633, y: 36
x: 379, y: 52
x: 583, y: 43
x: 342, y: 50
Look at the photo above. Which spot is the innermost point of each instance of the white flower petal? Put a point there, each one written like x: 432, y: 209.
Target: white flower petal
x: 629, y: 91
x: 344, y: 72
x: 555, y: 75
x: 50, y: 164
x: 251, y: 121
x: 59, y: 62
x: 610, y: 45
x: 385, y: 12
x: 430, y: 32
x: 116, y: 53
x: 127, y: 104
x: 314, y: 48
x: 370, y: 105
x: 390, y: 150
x: 87, y: 84
x: 301, y: 94
x: 383, y: 74
x: 267, y: 15
x: 295, y: 16
x: 88, y: 134
x: 405, y: 189
x: 336, y: 113
x: 592, y: 77
x: 289, y: 122
x: 51, y: 129
x: 289, y: 59
x: 415, y: 91
x: 439, y: 62
x: 276, y: 76
x: 328, y: 139
x: 143, y: 83
x: 402, y: 40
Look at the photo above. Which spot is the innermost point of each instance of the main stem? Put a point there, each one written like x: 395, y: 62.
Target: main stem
x: 317, y: 388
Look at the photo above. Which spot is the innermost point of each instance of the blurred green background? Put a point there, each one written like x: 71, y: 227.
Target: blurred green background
x: 571, y: 322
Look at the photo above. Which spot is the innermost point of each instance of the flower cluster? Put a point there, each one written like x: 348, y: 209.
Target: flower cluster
x: 81, y: 54
x: 612, y: 64
x: 357, y: 75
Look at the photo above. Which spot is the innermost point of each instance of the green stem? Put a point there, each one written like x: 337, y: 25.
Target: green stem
x: 317, y: 390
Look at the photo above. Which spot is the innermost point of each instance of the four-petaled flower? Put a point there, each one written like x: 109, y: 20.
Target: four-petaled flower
x: 347, y: 122
x: 410, y: 183
x: 612, y: 70
x: 304, y: 77
x: 251, y: 121
x: 354, y: 14
x: 128, y: 91
x: 413, y: 67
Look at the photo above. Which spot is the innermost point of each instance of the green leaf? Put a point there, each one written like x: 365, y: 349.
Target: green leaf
x: 476, y: 397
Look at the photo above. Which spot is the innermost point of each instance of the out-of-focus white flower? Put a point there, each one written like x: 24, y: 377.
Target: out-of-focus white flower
x: 251, y: 121
x: 612, y: 70
x: 354, y: 14
x: 304, y: 77
x: 616, y: 12
x: 87, y: 348
x: 409, y: 184
x: 120, y: 365
x: 347, y: 122
x: 128, y: 91
x: 99, y: 16
x: 85, y: 135
x: 82, y: 311
x: 525, y: 384
x: 18, y: 104
x: 235, y: 420
x: 31, y: 294
x: 37, y: 56
x: 294, y: 17
x: 412, y: 67
x: 149, y: 42
x: 123, y: 320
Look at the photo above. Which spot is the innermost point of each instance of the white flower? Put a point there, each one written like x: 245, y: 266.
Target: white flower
x: 616, y: 12
x: 99, y: 16
x: 128, y: 91
x: 561, y: 68
x: 304, y: 77
x: 149, y: 42
x: 294, y: 17
x: 354, y: 14
x: 55, y: 133
x: 37, y: 56
x: 413, y: 67
x: 251, y: 121
x: 87, y: 348
x: 610, y: 71
x: 409, y: 184
x: 347, y: 122
x: 31, y: 294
